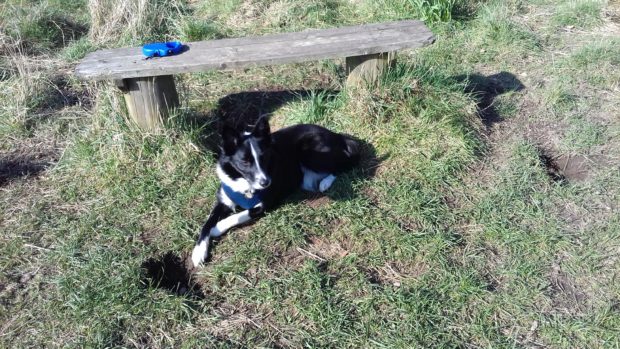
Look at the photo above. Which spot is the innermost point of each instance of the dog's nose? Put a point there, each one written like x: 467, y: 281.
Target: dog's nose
x: 264, y: 182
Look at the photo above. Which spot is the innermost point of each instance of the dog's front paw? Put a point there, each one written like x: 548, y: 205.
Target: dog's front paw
x: 200, y: 253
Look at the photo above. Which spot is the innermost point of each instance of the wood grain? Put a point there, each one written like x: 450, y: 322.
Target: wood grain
x: 149, y: 100
x: 264, y: 50
x: 367, y: 69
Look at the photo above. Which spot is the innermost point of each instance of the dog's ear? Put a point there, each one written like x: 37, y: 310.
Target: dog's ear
x: 261, y: 129
x: 230, y: 140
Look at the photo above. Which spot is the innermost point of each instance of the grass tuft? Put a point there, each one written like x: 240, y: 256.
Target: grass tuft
x: 131, y: 22
x: 579, y: 13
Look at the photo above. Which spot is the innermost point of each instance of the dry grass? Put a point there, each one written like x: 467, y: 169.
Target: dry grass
x: 21, y: 92
x: 129, y: 21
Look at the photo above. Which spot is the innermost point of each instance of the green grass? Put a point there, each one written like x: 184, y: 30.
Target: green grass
x: 41, y: 27
x: 455, y: 235
x: 579, y: 13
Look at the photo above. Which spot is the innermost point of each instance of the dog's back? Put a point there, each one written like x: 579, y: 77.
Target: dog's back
x: 318, y: 148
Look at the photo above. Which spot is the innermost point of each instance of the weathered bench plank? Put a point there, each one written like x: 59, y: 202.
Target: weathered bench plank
x: 265, y: 50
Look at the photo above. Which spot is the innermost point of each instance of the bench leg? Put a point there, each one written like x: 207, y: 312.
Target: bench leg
x: 368, y: 68
x: 149, y: 99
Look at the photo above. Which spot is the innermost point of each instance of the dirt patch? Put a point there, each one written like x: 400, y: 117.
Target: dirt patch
x: 170, y: 272
x: 319, y: 249
x: 25, y: 162
x: 316, y: 200
x: 70, y: 95
x: 564, y: 291
x: 149, y: 235
x: 573, y: 168
x: 395, y: 273
x: 15, y: 287
x: 234, y: 317
x: 326, y: 249
x: 19, y: 167
x: 564, y: 167
x: 612, y: 12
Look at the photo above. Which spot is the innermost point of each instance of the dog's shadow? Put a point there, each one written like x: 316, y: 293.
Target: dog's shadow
x: 486, y: 88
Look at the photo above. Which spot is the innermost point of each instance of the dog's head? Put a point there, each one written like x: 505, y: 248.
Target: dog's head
x: 248, y: 155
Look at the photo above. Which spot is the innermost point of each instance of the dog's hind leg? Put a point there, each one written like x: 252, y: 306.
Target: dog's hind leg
x: 326, y: 183
x: 315, y: 181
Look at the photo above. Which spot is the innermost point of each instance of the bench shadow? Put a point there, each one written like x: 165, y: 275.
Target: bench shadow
x: 241, y: 110
x: 55, y: 32
x: 486, y: 88
x: 11, y: 169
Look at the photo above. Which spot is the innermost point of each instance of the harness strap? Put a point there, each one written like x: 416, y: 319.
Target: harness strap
x: 240, y: 199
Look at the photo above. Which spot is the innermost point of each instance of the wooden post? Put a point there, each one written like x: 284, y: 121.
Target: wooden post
x: 149, y: 99
x: 368, y: 68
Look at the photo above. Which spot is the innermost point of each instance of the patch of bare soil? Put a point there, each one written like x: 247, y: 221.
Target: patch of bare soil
x: 326, y: 249
x: 27, y: 160
x: 564, y: 291
x: 612, y: 17
x: 12, y: 290
x: 394, y: 274
x: 253, y: 323
x: 171, y: 273
x: 67, y: 95
x: 564, y: 167
x: 316, y: 200
x: 15, y: 166
x: 234, y: 317
x: 320, y: 249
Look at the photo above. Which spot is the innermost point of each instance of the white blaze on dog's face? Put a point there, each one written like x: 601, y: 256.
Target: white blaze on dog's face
x: 247, y: 157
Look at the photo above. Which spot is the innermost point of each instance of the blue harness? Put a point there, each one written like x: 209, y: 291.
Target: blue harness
x: 241, y: 200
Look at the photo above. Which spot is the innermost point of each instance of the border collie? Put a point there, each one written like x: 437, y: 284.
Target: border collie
x: 258, y: 169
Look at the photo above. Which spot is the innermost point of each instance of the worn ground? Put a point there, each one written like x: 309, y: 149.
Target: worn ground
x: 485, y: 212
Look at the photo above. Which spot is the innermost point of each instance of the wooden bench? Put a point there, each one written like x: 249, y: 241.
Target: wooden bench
x: 148, y: 85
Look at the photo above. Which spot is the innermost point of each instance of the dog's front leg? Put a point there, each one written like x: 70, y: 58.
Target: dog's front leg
x: 201, y: 250
x: 214, y: 230
x: 236, y: 219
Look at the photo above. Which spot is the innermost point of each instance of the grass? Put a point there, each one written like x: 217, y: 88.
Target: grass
x: 579, y: 13
x: 484, y: 214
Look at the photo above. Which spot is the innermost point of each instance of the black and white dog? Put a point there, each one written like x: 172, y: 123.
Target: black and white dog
x: 258, y: 169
